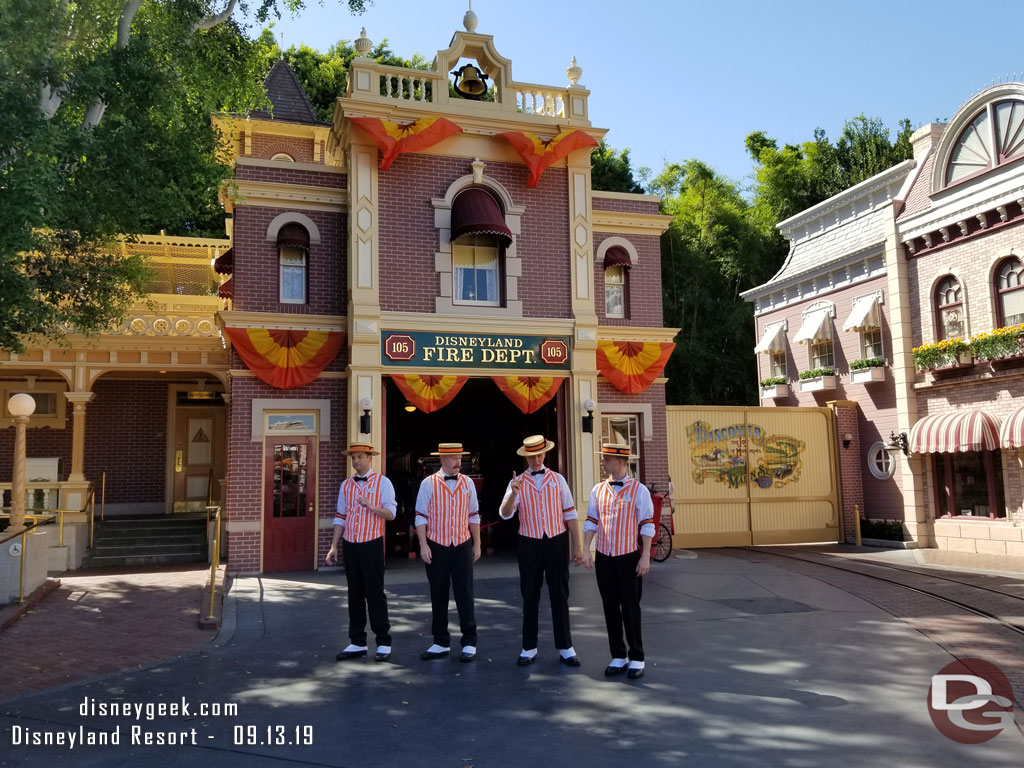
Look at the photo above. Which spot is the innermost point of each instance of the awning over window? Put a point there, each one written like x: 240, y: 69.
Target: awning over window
x: 294, y: 236
x: 815, y: 328
x: 773, y: 339
x: 1012, y: 433
x: 616, y: 256
x: 864, y: 315
x: 956, y: 432
x: 225, y: 263
x: 474, y: 212
x: 226, y: 289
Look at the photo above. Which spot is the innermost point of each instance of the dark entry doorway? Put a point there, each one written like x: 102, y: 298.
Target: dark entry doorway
x: 490, y: 427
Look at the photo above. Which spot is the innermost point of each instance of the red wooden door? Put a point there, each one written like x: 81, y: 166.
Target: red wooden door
x: 289, y: 514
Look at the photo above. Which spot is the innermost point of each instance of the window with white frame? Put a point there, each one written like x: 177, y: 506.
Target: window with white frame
x: 823, y: 353
x: 995, y: 136
x: 949, y: 306
x: 880, y: 462
x: 623, y: 428
x: 615, y: 291
x: 1010, y: 288
x: 476, y: 271
x: 777, y: 363
x: 871, y: 342
x: 293, y: 275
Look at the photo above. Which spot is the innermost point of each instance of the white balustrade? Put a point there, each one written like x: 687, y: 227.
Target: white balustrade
x: 536, y: 100
x: 410, y: 85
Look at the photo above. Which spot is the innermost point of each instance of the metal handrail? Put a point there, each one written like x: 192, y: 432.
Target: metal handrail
x: 91, y: 504
x: 103, y: 496
x: 29, y: 527
x: 214, y: 558
x: 43, y: 517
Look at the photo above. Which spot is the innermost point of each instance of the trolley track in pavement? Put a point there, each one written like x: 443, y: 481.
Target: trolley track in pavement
x: 1015, y: 625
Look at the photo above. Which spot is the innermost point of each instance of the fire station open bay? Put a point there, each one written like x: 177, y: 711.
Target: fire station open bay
x: 753, y: 659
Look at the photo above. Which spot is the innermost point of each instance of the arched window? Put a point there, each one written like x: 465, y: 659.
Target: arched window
x: 479, y: 236
x: 616, y: 282
x: 293, y: 258
x: 949, y: 309
x: 1010, y: 290
x: 284, y: 156
x: 993, y: 137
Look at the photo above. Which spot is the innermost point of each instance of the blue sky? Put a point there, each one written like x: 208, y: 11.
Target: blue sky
x: 680, y: 80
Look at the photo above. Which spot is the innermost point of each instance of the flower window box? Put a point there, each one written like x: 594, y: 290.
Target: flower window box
x: 774, y: 391
x: 818, y: 383
x: 867, y: 375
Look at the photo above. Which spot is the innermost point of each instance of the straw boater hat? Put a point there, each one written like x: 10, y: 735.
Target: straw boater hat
x: 449, y: 449
x: 360, y: 448
x: 535, y: 444
x: 621, y: 450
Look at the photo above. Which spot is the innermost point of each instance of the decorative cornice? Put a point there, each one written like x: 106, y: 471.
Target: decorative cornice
x: 276, y: 195
x: 284, y: 165
x: 629, y: 196
x: 618, y: 222
x: 281, y: 321
x: 635, y: 333
x: 433, y: 323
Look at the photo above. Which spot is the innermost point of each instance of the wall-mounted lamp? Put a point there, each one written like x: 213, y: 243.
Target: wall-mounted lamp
x: 409, y: 407
x: 588, y: 420
x: 898, y: 443
x: 847, y: 439
x: 366, y: 421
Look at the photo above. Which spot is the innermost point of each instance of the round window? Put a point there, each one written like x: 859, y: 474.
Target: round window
x: 880, y: 462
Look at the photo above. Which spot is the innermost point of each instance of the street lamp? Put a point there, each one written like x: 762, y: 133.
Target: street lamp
x: 20, y: 406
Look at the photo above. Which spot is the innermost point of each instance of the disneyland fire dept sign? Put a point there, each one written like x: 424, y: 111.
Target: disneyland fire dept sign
x: 474, y: 350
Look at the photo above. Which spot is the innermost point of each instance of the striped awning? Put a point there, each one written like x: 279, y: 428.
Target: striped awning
x: 864, y: 314
x: 816, y: 327
x: 1011, y: 435
x: 773, y: 339
x: 955, y: 432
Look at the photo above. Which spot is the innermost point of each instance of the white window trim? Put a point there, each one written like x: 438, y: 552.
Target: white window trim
x: 610, y: 242
x: 511, y: 266
x: 477, y: 302
x: 621, y: 285
x: 280, y: 278
x: 873, y: 466
x: 292, y: 217
x: 933, y: 307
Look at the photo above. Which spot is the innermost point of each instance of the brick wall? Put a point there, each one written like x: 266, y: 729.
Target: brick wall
x: 126, y: 435
x: 625, y: 206
x: 286, y: 175
x: 972, y: 262
x: 256, y: 281
x: 876, y: 416
x: 654, y: 451
x: 41, y: 442
x: 408, y: 239
x: 265, y: 146
x: 643, y: 283
x: 851, y: 473
x: 246, y: 462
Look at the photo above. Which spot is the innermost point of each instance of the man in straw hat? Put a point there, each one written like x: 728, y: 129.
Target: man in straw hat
x: 366, y: 501
x: 448, y: 527
x: 619, y: 509
x: 547, y: 532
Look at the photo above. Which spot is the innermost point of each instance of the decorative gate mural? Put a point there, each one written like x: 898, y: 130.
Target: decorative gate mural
x: 753, y: 475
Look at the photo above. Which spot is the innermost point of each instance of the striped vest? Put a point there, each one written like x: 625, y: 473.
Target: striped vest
x: 540, y: 508
x: 448, y: 511
x: 361, y: 524
x: 617, y: 526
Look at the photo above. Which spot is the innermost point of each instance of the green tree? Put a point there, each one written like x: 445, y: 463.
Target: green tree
x: 712, y: 251
x: 105, y: 131
x: 611, y: 171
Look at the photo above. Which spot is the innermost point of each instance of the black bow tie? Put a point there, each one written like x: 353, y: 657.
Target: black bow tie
x: 451, y: 477
x: 617, y: 482
x: 537, y: 472
x: 359, y: 479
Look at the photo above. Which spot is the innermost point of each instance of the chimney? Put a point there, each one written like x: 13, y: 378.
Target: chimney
x: 925, y: 139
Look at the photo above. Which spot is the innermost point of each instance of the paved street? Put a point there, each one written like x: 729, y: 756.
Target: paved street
x: 749, y: 664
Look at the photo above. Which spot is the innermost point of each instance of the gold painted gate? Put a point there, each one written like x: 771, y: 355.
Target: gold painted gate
x: 747, y: 476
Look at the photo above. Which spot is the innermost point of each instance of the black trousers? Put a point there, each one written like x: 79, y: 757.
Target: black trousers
x: 364, y: 569
x: 539, y: 559
x: 620, y: 589
x: 451, y: 566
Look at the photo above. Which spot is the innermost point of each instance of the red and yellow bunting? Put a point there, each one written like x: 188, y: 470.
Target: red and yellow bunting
x: 631, y: 366
x: 394, y: 139
x: 540, y: 155
x: 429, y: 393
x: 529, y: 393
x: 285, y: 359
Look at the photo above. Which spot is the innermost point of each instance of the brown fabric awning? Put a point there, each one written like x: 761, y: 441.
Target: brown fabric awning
x: 225, y: 263
x: 294, y: 236
x: 226, y: 289
x: 616, y: 256
x: 475, y: 212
